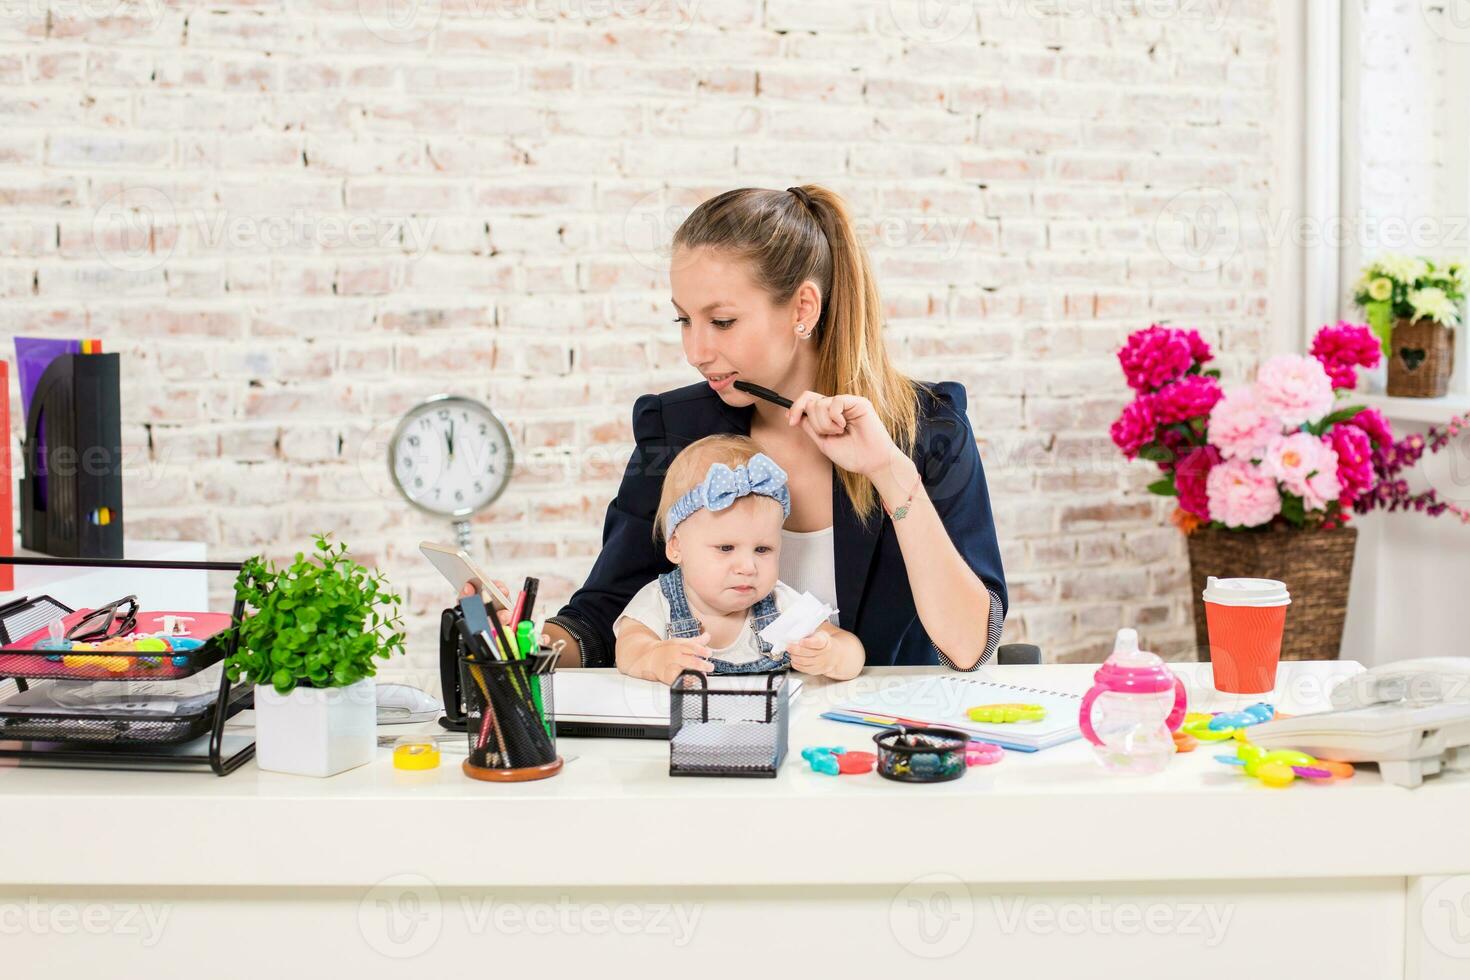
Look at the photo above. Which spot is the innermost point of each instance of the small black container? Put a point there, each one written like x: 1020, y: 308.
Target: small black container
x: 921, y: 755
x: 728, y: 724
x: 509, y: 718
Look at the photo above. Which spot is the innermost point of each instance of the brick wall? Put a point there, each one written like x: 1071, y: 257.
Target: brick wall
x: 296, y: 220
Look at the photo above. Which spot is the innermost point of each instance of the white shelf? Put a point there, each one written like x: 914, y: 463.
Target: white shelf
x: 1433, y: 410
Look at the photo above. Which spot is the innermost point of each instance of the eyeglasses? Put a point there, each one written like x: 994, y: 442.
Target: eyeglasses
x: 113, y: 619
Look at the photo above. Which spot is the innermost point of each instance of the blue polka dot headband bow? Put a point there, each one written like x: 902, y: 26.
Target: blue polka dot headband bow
x: 723, y: 486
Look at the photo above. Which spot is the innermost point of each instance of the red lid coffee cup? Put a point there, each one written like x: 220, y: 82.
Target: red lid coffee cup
x: 1245, y: 618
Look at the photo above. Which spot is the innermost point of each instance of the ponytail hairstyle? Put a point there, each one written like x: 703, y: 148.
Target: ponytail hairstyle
x: 806, y: 233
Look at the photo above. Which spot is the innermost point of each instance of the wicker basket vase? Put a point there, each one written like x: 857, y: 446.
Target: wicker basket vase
x: 1317, y: 567
x: 1422, y: 353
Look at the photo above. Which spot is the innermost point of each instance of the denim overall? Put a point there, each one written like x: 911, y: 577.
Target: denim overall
x: 683, y: 625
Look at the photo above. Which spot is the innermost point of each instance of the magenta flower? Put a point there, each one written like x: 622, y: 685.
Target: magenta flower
x: 1191, y: 474
x: 1354, y: 462
x: 1345, y: 348
x: 1190, y: 397
x: 1154, y: 357
x: 1198, y: 349
x: 1135, y: 428
x: 1372, y: 422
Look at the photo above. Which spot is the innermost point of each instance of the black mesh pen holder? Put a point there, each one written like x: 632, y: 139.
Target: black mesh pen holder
x: 509, y: 718
x: 728, y: 724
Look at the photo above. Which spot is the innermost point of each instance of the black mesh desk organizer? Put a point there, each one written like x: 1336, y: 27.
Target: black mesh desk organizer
x: 728, y: 724
x: 84, y: 737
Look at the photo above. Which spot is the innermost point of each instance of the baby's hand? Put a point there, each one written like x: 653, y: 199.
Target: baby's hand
x: 670, y: 658
x: 813, y: 655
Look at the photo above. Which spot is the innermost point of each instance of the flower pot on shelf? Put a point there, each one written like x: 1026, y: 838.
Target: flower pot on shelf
x: 1422, y: 354
x: 316, y: 731
x: 1316, y: 565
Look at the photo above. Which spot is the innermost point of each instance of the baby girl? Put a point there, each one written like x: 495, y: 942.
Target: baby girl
x: 720, y: 516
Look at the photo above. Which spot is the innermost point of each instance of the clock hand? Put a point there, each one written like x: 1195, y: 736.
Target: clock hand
x: 449, y: 439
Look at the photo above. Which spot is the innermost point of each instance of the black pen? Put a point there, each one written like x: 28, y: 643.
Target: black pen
x: 759, y: 392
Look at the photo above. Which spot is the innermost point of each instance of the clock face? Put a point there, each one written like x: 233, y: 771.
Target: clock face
x: 450, y: 456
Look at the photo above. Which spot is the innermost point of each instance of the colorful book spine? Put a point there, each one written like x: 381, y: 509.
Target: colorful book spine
x: 7, y: 482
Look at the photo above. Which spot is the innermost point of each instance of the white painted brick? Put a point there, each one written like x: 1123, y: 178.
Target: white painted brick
x: 996, y: 166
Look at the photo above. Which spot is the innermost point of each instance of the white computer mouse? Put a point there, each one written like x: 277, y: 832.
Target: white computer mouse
x: 400, y: 704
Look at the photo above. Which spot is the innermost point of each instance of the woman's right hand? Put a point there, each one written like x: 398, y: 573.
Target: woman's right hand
x: 667, y: 659
x: 502, y: 614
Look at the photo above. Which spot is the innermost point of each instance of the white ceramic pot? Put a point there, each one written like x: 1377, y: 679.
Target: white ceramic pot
x: 316, y: 731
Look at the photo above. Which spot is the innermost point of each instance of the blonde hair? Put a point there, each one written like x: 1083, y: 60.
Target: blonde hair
x: 806, y: 233
x: 690, y: 467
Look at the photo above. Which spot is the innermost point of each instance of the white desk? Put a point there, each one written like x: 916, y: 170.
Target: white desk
x: 1042, y: 866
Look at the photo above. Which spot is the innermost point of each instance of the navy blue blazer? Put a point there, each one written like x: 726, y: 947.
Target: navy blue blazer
x: 873, y: 596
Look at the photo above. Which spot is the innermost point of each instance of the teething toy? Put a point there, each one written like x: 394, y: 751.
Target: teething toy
x: 1005, y: 714
x: 1281, y: 767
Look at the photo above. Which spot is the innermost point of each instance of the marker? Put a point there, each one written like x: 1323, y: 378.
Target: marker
x: 759, y: 392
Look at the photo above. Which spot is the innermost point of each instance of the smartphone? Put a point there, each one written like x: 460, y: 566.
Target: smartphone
x: 459, y: 568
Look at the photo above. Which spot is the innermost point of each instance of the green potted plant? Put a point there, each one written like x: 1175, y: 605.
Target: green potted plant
x: 309, y: 643
x: 1413, y: 306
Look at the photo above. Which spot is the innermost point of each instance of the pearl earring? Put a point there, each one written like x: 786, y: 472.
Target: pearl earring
x: 802, y: 331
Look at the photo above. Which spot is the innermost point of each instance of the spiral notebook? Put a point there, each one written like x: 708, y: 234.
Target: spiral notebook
x: 943, y: 700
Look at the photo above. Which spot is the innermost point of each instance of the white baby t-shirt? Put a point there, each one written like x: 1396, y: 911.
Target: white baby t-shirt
x: 650, y: 608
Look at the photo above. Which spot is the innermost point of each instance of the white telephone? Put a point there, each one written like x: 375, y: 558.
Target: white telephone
x: 1411, y: 717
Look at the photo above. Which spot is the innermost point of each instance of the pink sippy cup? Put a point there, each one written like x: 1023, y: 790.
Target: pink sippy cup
x: 1134, y: 704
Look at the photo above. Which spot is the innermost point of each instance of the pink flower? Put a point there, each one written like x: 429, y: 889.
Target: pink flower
x: 1154, y: 357
x: 1372, y: 422
x: 1354, y: 462
x: 1241, y: 426
x: 1190, y: 476
x: 1189, y: 397
x: 1295, y: 388
x: 1241, y: 495
x: 1198, y: 349
x: 1306, y: 465
x: 1345, y: 348
x: 1135, y: 428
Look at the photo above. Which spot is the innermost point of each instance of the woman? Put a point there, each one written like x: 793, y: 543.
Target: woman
x: 890, y: 519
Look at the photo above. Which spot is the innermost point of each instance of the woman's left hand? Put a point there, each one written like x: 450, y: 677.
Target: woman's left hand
x: 845, y: 428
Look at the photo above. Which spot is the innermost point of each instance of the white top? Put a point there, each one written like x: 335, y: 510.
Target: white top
x: 1028, y: 804
x: 649, y: 607
x: 809, y: 561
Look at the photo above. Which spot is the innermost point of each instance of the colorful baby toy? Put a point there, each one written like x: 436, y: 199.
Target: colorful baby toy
x: 1220, y: 725
x: 833, y: 759
x: 1006, y: 714
x: 1280, y: 767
